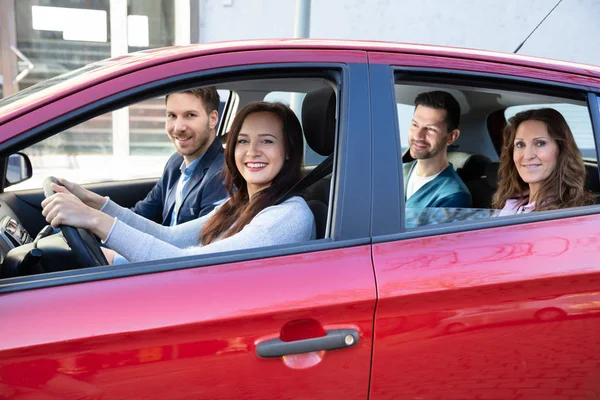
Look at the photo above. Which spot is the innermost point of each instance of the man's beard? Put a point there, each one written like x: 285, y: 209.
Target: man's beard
x: 424, y: 154
x: 203, y: 141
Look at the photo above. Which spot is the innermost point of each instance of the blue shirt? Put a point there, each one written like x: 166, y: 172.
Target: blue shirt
x: 186, y: 173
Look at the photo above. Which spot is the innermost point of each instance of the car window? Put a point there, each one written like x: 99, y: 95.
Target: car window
x: 473, y: 161
x: 130, y: 143
x: 420, y: 217
x: 41, y: 86
x: 405, y: 112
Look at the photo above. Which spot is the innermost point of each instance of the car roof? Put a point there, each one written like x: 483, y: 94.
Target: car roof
x: 112, y: 67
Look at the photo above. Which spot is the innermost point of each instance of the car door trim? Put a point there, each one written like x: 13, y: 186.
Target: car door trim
x: 93, y: 274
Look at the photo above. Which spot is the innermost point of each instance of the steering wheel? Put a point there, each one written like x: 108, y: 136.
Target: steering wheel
x: 82, y: 242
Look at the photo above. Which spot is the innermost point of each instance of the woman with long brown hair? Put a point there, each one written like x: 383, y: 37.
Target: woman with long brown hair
x: 263, y: 159
x: 541, y: 167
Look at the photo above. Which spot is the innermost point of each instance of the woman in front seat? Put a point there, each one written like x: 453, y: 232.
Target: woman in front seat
x: 263, y: 160
x: 540, y: 166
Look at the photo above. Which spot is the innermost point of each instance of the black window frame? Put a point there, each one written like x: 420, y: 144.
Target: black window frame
x: 389, y: 217
x: 350, y: 213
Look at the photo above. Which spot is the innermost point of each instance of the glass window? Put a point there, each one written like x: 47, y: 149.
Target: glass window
x: 471, y: 160
x: 405, y: 113
x: 84, y: 153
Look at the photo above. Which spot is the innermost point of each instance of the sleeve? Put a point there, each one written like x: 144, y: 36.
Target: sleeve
x: 281, y: 224
x: 181, y: 235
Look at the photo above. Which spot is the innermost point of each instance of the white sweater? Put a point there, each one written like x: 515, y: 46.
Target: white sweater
x: 139, y: 239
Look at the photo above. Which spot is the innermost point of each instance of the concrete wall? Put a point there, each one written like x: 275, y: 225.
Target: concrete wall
x: 571, y: 32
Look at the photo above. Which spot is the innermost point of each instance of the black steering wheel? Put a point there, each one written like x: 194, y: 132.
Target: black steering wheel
x: 82, y: 242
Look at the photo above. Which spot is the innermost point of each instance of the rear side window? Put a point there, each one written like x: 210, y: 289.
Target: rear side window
x: 471, y: 162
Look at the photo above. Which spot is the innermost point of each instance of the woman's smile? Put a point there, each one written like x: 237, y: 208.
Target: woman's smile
x: 260, y: 150
x: 255, y: 166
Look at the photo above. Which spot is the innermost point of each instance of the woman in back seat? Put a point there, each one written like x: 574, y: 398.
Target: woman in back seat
x: 541, y: 167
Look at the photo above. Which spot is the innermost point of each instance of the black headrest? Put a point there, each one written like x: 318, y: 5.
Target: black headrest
x: 318, y: 120
x: 469, y: 166
x: 491, y: 174
x: 592, y: 181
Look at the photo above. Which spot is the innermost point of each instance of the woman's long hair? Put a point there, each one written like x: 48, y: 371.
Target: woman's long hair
x: 239, y: 210
x: 565, y: 185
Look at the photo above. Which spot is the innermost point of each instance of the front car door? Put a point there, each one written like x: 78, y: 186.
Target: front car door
x: 191, y: 327
x: 487, y: 307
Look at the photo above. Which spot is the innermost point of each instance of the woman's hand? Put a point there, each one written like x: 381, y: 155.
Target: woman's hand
x: 63, y: 208
x: 90, y: 198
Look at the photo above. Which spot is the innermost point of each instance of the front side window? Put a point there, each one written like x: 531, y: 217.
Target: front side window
x: 129, y: 143
x: 266, y: 140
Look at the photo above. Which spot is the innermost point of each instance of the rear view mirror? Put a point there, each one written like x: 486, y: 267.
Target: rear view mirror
x: 18, y: 169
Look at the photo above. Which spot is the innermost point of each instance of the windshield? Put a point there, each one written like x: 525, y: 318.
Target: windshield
x: 38, y: 87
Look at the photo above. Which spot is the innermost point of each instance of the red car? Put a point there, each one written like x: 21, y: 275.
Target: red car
x: 363, y: 312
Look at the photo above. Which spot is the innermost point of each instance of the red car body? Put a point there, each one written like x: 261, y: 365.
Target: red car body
x: 191, y: 331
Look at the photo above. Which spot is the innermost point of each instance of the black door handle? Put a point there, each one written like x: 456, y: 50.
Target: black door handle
x: 334, y: 339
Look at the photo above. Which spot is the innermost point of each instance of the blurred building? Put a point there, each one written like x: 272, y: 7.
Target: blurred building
x: 56, y: 36
x: 40, y: 39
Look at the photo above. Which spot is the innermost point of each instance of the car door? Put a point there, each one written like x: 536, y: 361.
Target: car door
x: 493, y: 309
x: 288, y: 322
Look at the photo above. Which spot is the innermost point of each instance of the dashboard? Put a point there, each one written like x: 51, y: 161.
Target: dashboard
x: 12, y: 232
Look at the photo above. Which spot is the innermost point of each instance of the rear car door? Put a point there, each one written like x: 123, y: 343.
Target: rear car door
x: 192, y: 327
x: 488, y: 309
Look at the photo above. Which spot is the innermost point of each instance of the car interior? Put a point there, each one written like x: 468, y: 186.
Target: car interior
x: 484, y: 113
x: 313, y: 99
x: 475, y: 157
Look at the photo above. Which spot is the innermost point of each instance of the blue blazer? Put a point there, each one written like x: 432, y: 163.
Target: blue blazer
x: 201, y: 194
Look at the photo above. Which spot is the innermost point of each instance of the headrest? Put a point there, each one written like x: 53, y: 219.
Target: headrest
x: 592, y: 181
x: 318, y: 120
x: 491, y: 174
x: 469, y: 166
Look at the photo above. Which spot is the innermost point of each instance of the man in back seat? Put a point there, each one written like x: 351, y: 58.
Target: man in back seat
x: 430, y: 180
